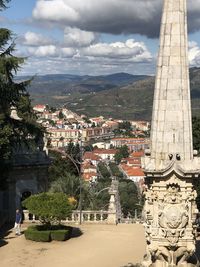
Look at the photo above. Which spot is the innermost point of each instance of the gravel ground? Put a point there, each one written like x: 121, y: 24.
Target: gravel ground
x: 97, y: 246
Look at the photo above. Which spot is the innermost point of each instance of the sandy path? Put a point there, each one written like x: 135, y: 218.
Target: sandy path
x: 99, y: 246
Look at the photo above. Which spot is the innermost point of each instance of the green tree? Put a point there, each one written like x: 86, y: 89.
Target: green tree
x: 3, y: 4
x: 95, y: 196
x: 68, y: 184
x: 115, y: 170
x: 129, y: 197
x: 61, y: 115
x: 50, y: 208
x: 105, y: 174
x: 121, y: 153
x: 196, y: 132
x: 196, y: 144
x: 88, y: 148
x: 61, y: 167
x: 125, y: 125
x: 13, y: 132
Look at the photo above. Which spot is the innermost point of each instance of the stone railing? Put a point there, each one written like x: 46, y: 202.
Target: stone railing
x: 86, y: 217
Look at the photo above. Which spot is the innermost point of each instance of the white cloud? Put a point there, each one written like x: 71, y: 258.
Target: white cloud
x: 77, y: 37
x: 44, y: 51
x: 99, y: 58
x: 82, y: 66
x: 68, y: 52
x: 194, y: 54
x: 55, y: 11
x: 35, y: 39
x: 119, y: 51
x: 110, y: 16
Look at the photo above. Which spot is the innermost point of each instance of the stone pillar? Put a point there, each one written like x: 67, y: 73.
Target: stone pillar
x: 101, y: 218
x: 73, y: 217
x: 170, y: 166
x: 26, y: 215
x: 82, y: 217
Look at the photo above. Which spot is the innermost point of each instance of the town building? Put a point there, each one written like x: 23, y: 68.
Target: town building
x: 105, y: 154
x: 141, y: 125
x: 91, y: 157
x: 96, y: 133
x: 61, y: 137
x: 89, y: 172
x: 134, y: 174
x: 133, y: 144
x: 39, y: 108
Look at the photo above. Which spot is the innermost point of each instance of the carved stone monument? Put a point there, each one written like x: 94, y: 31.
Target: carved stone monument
x: 170, y: 166
x: 114, y: 209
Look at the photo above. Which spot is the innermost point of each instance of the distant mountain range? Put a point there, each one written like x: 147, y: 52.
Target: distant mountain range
x: 66, y: 83
x: 119, y: 95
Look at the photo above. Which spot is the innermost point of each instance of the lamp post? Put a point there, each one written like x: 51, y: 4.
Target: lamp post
x: 80, y: 179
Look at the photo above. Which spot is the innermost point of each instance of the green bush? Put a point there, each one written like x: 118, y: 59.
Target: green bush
x: 50, y: 208
x: 42, y: 233
x: 38, y: 236
x: 115, y: 170
x: 60, y: 235
x: 104, y: 170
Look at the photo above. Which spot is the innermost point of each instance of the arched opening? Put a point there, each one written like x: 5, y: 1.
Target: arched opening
x: 24, y: 196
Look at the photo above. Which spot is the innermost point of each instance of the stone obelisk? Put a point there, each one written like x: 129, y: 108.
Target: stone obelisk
x: 170, y: 166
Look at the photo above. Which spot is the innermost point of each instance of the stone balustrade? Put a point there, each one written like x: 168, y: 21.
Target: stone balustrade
x: 87, y: 216
x: 28, y: 217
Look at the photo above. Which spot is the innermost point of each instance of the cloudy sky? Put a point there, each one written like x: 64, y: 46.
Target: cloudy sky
x: 92, y: 36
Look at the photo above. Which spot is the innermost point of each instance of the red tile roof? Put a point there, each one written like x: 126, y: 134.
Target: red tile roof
x: 91, y: 156
x: 129, y: 139
x: 89, y: 176
x: 132, y: 171
x: 105, y: 151
x: 137, y: 154
x: 39, y: 106
x: 133, y: 161
x: 88, y: 165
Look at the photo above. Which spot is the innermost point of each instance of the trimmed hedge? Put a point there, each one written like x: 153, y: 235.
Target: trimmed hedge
x: 60, y: 235
x: 38, y: 236
x: 41, y: 233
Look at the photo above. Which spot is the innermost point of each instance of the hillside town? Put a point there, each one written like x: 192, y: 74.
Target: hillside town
x: 85, y: 178
x: 104, y: 137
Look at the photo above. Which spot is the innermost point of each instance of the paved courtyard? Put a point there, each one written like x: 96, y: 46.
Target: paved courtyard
x: 98, y: 246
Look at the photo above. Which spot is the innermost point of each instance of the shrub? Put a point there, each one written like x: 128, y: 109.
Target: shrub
x: 43, y: 233
x: 60, y: 235
x: 50, y: 208
x: 115, y: 170
x: 104, y: 170
x: 38, y: 236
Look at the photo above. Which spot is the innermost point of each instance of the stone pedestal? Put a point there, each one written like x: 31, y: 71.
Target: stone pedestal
x: 112, y: 211
x: 170, y: 166
x: 164, y: 264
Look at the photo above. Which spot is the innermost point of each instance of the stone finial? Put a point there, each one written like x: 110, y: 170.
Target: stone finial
x: 171, y: 131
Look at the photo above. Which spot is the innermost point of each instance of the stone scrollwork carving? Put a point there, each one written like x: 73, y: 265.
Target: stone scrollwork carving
x: 173, y: 195
x: 171, y: 170
x: 173, y: 217
x: 169, y: 209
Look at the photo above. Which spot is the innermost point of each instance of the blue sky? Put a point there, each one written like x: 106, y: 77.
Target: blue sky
x: 91, y: 36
